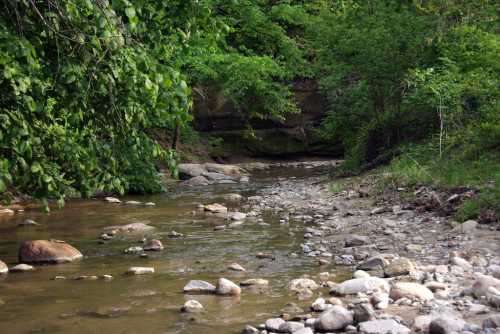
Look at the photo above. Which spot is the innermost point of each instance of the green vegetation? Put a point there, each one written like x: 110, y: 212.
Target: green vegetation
x: 86, y: 85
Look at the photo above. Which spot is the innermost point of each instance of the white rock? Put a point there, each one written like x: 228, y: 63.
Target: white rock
x: 383, y: 326
x: 360, y: 274
x: 411, y: 291
x: 333, y: 319
x: 227, y: 288
x: 112, y: 200
x: 215, y: 208
x: 21, y: 268
x: 197, y: 286
x: 140, y: 270
x: 363, y: 285
x: 236, y: 267
x: 299, y: 284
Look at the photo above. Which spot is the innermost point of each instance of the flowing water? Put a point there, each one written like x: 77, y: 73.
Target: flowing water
x: 32, y: 302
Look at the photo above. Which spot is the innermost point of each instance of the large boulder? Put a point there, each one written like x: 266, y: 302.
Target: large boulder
x: 187, y: 171
x: 360, y: 285
x: 383, y: 326
x: 333, y: 319
x: 3, y: 268
x: 47, y: 251
x: 411, y: 290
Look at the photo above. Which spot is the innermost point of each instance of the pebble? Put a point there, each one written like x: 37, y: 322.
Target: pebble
x: 140, y: 270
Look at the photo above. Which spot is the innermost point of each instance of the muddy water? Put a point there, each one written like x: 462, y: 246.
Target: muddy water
x: 34, y: 303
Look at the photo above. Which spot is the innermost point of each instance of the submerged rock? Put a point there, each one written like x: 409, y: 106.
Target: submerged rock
x: 132, y: 227
x: 196, y: 182
x: 299, y: 284
x: 215, y: 208
x: 47, y: 251
x: 140, y: 270
x: 255, y: 281
x: 236, y: 267
x: 192, y: 306
x: 153, y: 245
x: 28, y: 222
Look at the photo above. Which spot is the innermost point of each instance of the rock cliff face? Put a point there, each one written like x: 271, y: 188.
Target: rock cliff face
x: 215, y: 115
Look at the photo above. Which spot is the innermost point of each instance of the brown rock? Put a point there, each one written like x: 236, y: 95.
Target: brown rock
x: 47, y: 251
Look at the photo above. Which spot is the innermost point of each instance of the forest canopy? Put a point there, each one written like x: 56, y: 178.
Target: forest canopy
x: 84, y: 83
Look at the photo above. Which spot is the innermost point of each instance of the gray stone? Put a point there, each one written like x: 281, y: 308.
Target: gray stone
x: 254, y: 281
x: 363, y: 312
x: 493, y: 321
x: 483, y: 283
x: 299, y: 284
x: 333, y: 319
x: 383, y: 326
x: 290, y: 327
x: 199, y: 287
x: 236, y: 267
x: 187, y: 171
x: 196, y: 181
x: 305, y: 330
x: 274, y: 324
x: 446, y: 325
x: 153, y: 245
x: 399, y: 267
x: 356, y: 240
x: 249, y: 330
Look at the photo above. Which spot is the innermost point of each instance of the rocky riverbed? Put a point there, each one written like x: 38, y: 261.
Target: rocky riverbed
x: 267, y: 248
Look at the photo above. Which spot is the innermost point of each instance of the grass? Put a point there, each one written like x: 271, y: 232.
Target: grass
x: 460, y: 166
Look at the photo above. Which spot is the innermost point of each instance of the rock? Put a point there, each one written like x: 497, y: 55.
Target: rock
x: 174, y: 234
x: 290, y: 327
x: 333, y: 319
x: 227, y: 288
x: 140, y: 270
x: 265, y: 255
x: 493, y: 321
x: 132, y: 227
x: 468, y: 226
x: 356, y: 240
x: 133, y: 203
x: 446, y: 325
x: 187, y: 171
x: 422, y: 322
x: 360, y: 285
x: 133, y: 250
x: 150, y: 204
x: 215, y: 208
x: 274, y: 324
x: 483, y: 283
x: 462, y: 263
x: 299, y: 284
x: 234, y: 198
x: 196, y: 181
x: 237, y: 216
x: 47, y: 251
x: 112, y: 200
x: 254, y: 281
x: 21, y: 268
x: 363, y: 312
x: 28, y: 222
x: 360, y: 274
x: 319, y: 305
x: 377, y: 262
x: 494, y: 270
x: 236, y: 267
x: 415, y: 248
x: 192, y: 306
x: 380, y: 300
x: 305, y: 330
x: 411, y: 291
x: 224, y: 169
x: 399, y: 267
x: 153, y: 245
x: 6, y: 212
x: 383, y: 326
x: 199, y: 287
x: 3, y: 268
x: 249, y: 330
